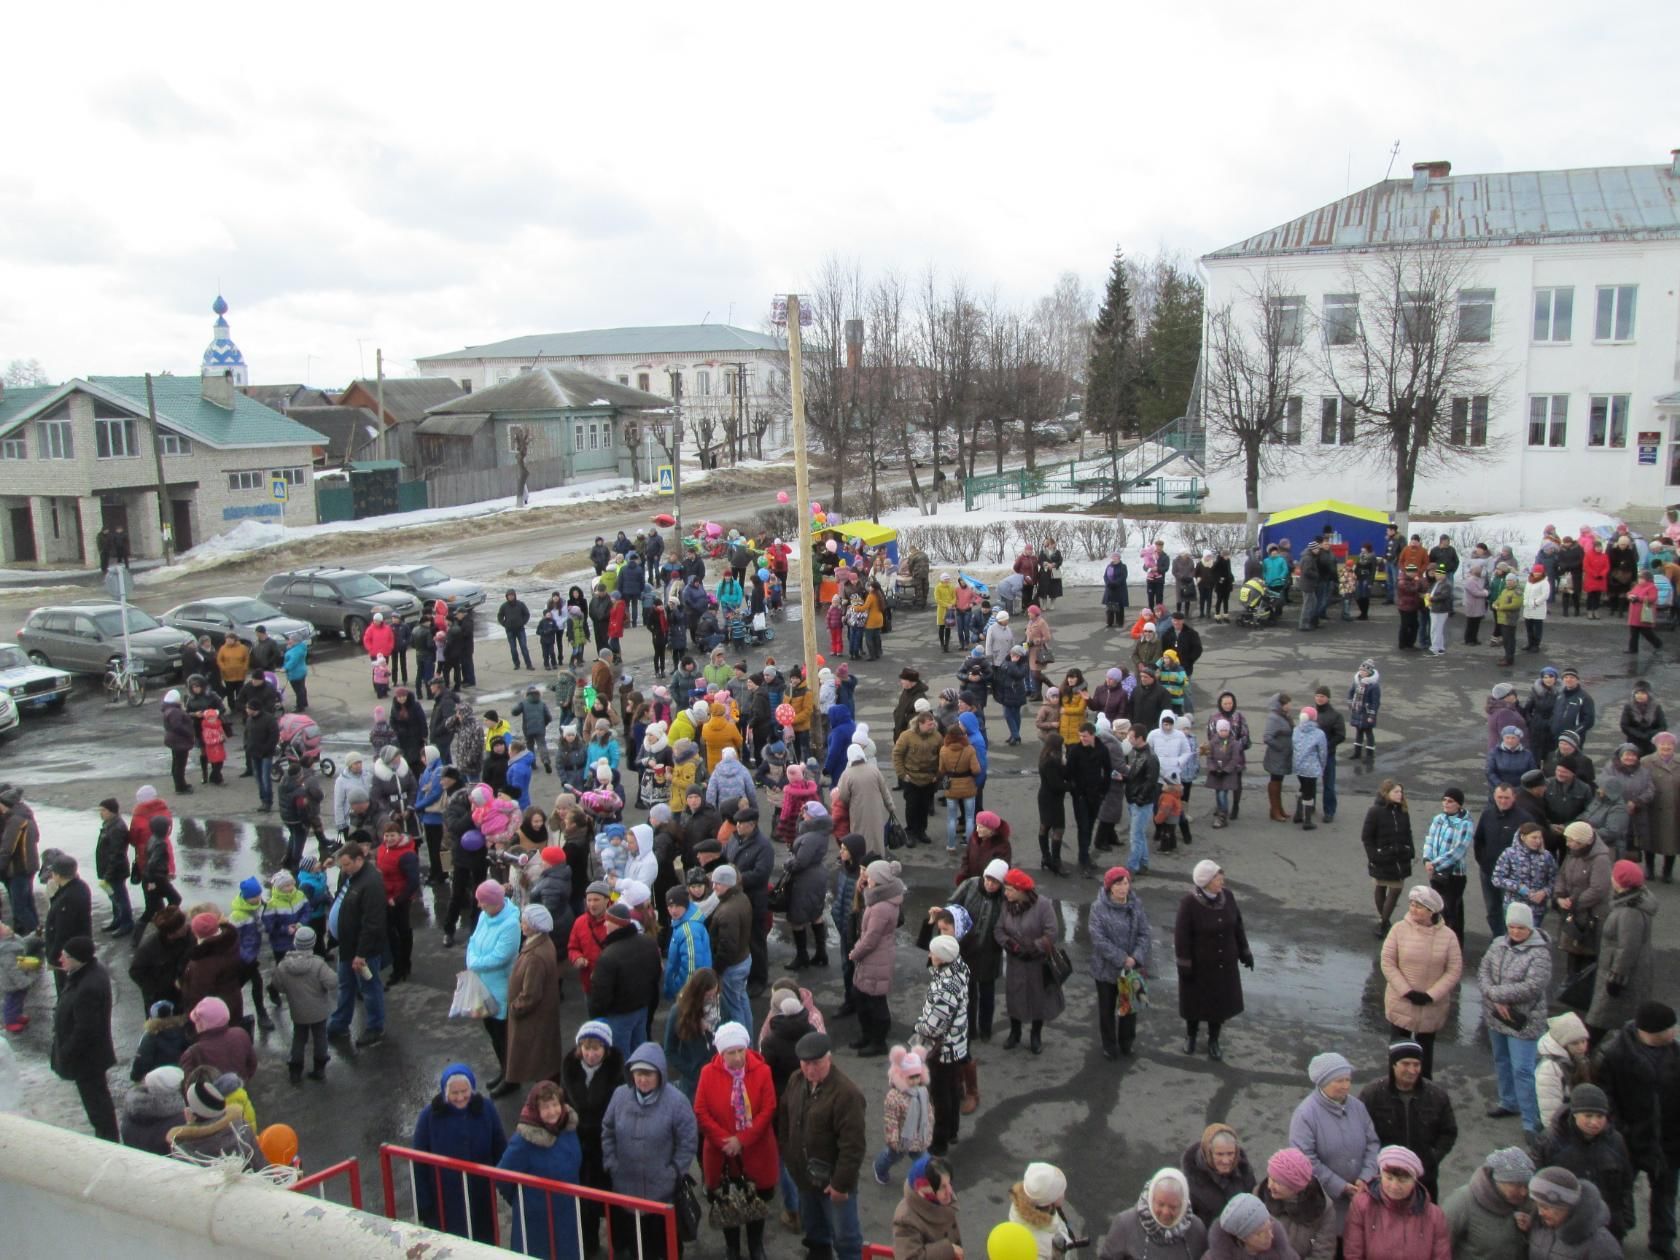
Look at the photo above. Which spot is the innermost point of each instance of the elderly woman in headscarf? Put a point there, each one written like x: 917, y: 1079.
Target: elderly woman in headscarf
x: 1160, y: 1226
x: 1216, y: 1168
x: 460, y: 1123
x: 544, y: 1144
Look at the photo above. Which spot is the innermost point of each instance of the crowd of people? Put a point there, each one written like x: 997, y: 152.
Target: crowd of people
x: 762, y: 797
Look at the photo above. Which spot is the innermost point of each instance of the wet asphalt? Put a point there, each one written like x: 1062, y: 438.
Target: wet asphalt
x: 1305, y: 898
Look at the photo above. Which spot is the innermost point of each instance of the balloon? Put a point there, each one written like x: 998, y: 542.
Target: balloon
x: 781, y: 496
x: 764, y: 575
x: 279, y: 1144
x: 1011, y: 1241
x: 821, y: 659
x: 713, y: 529
x: 832, y: 546
x: 816, y: 509
x: 822, y: 518
x: 473, y: 841
x: 784, y: 714
x: 665, y: 520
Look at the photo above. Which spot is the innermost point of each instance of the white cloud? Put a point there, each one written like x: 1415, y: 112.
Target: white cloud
x: 425, y: 176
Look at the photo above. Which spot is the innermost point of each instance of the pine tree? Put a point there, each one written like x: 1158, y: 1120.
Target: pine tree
x: 1172, y: 348
x: 1111, y: 382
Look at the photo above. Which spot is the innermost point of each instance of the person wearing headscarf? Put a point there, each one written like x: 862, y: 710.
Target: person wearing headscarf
x: 459, y: 1123
x: 544, y: 1144
x: 1160, y: 1226
x: 924, y: 1223
x: 1216, y: 1168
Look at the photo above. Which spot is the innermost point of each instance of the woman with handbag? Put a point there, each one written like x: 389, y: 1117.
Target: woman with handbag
x: 735, y: 1111
x: 1028, y: 933
x: 803, y: 885
x: 1582, y: 892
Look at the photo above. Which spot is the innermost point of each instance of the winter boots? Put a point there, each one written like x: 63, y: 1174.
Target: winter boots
x: 801, y: 959
x: 1274, y: 796
x: 820, y: 931
x: 1050, y: 849
x: 970, y: 1087
x: 1307, y: 823
x: 1300, y: 808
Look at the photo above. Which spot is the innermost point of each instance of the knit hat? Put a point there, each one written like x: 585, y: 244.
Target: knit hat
x: 599, y: 887
x: 553, y: 855
x: 731, y: 1036
x: 1044, y: 1184
x: 1290, y: 1169
x: 110, y: 803
x: 1566, y: 1028
x: 205, y: 1101
x: 1427, y: 897
x: 1555, y: 1187
x: 1627, y: 874
x: 1243, y: 1215
x: 490, y: 893
x: 146, y: 793
x: 80, y: 948
x: 211, y: 1012
x: 1114, y: 676
x: 1204, y: 873
x: 204, y: 925
x: 1018, y: 878
x: 1453, y: 792
x: 996, y: 869
x: 61, y: 864
x: 854, y: 755
x: 725, y: 875
x: 1517, y: 914
x: 283, y: 881
x: 1114, y: 875
x: 1308, y: 714
x: 1588, y: 1097
x: 944, y: 948
x: 1510, y: 1164
x: 1502, y: 689
x: 1654, y: 1017
x: 1404, y: 1050
x: 536, y: 916
x: 250, y: 888
x: 1400, y: 1157
x: 634, y: 893
x: 1580, y: 830
x: 165, y: 1080
x: 163, y: 1008
x: 986, y: 818
x: 618, y: 912
x: 790, y: 1005
x: 881, y: 869
x: 1506, y: 732
x: 1327, y: 1067
x: 596, y: 1028
x: 304, y: 939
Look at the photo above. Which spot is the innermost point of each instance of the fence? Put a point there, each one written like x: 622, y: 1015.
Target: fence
x: 441, y: 1167
x: 457, y: 488
x: 1126, y: 479
x: 316, y: 1183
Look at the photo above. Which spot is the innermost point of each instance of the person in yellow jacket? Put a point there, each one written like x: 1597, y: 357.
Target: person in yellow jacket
x: 1507, y: 612
x: 719, y: 733
x: 945, y: 609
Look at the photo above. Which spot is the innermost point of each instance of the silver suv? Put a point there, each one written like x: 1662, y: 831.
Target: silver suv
x: 338, y: 600
x: 430, y: 584
x: 87, y: 638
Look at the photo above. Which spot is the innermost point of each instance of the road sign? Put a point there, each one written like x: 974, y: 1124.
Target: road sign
x: 277, y: 489
x: 667, y: 480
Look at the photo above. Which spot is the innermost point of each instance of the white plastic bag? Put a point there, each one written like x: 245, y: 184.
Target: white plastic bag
x: 473, y: 999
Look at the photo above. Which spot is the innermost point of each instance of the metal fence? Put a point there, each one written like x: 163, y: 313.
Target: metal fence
x: 347, y: 1171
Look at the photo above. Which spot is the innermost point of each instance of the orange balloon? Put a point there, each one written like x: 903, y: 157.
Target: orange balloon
x: 821, y: 659
x: 279, y: 1144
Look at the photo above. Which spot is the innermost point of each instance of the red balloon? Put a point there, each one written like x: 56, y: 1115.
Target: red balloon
x: 664, y: 520
x: 781, y: 496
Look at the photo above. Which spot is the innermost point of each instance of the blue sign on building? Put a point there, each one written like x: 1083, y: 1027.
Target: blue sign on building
x: 254, y: 509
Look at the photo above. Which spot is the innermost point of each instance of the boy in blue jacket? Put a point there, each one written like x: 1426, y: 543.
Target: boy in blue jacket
x: 691, y: 945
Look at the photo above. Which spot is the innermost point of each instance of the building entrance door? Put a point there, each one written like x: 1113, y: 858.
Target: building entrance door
x: 23, y: 534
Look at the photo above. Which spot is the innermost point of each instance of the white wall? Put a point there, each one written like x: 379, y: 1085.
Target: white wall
x: 1519, y: 477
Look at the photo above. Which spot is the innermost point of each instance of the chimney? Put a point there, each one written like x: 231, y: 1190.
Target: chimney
x: 1426, y: 173
x: 218, y: 389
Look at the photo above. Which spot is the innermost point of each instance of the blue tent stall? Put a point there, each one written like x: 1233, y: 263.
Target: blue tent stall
x: 1351, y: 527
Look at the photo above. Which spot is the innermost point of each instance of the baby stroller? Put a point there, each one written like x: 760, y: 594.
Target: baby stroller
x: 300, y: 741
x: 759, y: 630
x: 1260, y: 603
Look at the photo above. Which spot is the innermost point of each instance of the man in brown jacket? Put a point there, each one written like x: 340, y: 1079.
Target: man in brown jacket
x: 731, y: 926
x: 915, y: 759
x: 821, y: 1130
x: 233, y: 663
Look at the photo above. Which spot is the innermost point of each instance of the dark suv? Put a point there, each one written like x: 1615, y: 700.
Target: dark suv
x: 337, y: 600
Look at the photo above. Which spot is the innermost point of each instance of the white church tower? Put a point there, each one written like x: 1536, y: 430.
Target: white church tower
x: 221, y: 356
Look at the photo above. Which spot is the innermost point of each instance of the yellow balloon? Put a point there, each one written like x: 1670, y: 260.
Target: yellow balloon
x: 1011, y: 1241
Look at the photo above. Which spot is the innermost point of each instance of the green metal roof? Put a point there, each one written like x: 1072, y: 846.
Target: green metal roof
x: 181, y: 407
x: 707, y: 339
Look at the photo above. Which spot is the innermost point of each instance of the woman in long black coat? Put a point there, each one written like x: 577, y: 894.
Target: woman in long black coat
x: 1389, y: 849
x: 1210, y: 944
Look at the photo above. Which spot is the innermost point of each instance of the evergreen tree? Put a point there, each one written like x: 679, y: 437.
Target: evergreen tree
x: 1111, y: 382
x: 1173, y: 347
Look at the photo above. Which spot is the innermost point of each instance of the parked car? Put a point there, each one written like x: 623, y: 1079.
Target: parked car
x: 430, y: 583
x: 8, y: 714
x: 338, y: 600
x: 240, y: 614
x: 28, y: 685
x: 87, y: 638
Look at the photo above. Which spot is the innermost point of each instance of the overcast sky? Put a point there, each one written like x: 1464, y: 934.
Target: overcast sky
x: 421, y: 179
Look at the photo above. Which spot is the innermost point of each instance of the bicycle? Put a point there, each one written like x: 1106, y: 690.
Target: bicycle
x: 121, y: 682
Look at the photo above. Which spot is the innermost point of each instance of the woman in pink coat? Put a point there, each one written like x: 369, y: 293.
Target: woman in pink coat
x: 872, y: 955
x: 1392, y: 1218
x: 1422, y: 964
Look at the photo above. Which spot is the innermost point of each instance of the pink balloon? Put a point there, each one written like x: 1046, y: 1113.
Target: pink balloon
x: 832, y: 545
x: 781, y: 496
x: 816, y: 509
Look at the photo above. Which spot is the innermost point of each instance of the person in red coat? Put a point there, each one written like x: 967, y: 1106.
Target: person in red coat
x: 735, y: 1109
x: 1595, y: 577
x: 379, y: 639
x: 589, y: 931
x: 147, y: 806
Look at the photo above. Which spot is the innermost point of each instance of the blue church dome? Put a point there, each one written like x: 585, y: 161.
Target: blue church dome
x: 221, y: 354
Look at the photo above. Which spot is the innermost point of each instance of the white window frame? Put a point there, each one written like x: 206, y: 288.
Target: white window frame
x: 1603, y: 409
x: 1290, y: 312
x: 703, y: 383
x: 1551, y: 413
x: 106, y: 431
x: 644, y: 381
x: 291, y: 476
x: 1337, y: 412
x: 1546, y: 316
x: 56, y: 439
x: 14, y: 448
x: 1341, y: 319
x: 247, y: 479
x: 1474, y: 409
x: 1416, y: 315
x: 1608, y: 318
x: 173, y: 444
x: 577, y: 437
x: 1288, y: 431
x: 1475, y: 303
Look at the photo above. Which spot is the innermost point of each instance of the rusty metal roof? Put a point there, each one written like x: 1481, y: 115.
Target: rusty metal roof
x: 1602, y: 203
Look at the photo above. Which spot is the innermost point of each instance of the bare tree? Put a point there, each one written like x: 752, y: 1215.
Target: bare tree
x: 880, y: 394
x: 1249, y: 398
x: 830, y: 396
x: 1414, y: 363
x: 23, y: 373
x: 519, y: 440
x: 1062, y: 320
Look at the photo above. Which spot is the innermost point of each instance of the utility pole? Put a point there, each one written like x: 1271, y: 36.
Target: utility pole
x: 676, y: 452
x: 379, y: 400
x: 166, y: 532
x: 802, y: 497
x: 743, y: 418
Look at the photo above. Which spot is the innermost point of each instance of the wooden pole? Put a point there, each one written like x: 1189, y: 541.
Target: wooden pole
x: 166, y: 529
x: 379, y: 402
x: 806, y: 539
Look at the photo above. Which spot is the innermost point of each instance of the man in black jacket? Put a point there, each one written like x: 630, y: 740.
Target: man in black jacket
x: 262, y: 741
x: 111, y: 866
x: 445, y: 700
x: 1412, y: 1111
x: 624, y: 983
x: 69, y: 911
x: 1149, y: 700
x: 513, y: 616
x: 1495, y: 830
x: 1186, y: 640
x: 1639, y: 1069
x: 361, y: 936
x: 81, y: 1045
x: 1142, y: 773
x: 1334, y: 726
x: 750, y: 853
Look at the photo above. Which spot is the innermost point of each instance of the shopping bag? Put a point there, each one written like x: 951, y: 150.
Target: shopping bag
x: 473, y: 999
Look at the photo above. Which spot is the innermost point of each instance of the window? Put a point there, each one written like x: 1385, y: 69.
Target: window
x: 1615, y: 312
x: 623, y: 380
x: 594, y: 436
x: 1554, y: 312
x: 55, y: 440
x: 703, y: 383
x: 173, y: 444
x: 246, y: 481
x: 1469, y: 420
x: 1335, y: 422
x: 524, y: 368
x: 1341, y: 319
x: 14, y: 448
x: 1548, y: 420
x: 1286, y: 429
x: 577, y: 438
x: 1607, y: 420
x: 1416, y: 319
x: 1284, y: 313
x: 114, y: 439
x: 1475, y: 314
x: 291, y: 476
x: 643, y: 381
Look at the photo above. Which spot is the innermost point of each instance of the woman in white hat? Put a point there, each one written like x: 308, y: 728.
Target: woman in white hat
x: 1036, y: 1202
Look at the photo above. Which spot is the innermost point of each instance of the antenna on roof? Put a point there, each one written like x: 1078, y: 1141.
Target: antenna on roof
x: 1392, y: 154
x: 705, y: 317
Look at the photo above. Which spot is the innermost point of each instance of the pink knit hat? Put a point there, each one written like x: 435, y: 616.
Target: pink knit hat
x: 211, y: 1012
x: 1290, y: 1169
x: 490, y: 893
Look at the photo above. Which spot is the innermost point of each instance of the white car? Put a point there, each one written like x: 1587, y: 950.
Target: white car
x: 28, y: 685
x: 8, y: 714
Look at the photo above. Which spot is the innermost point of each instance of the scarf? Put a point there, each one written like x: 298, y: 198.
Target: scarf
x: 1157, y: 1232
x: 917, y: 1126
x: 713, y: 1014
x: 738, y: 1101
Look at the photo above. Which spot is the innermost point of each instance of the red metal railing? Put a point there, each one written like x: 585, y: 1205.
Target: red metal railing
x: 442, y: 1168
x: 317, y: 1183
x: 874, y: 1251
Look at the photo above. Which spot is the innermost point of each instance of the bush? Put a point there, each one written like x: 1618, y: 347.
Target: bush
x: 1229, y: 538
x: 946, y: 544
x: 777, y: 522
x: 1097, y: 538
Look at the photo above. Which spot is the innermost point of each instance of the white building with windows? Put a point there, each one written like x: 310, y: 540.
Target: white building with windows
x: 1573, y: 282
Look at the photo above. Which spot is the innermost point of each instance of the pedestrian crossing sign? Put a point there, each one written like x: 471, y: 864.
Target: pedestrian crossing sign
x: 667, y: 480
x: 277, y: 489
